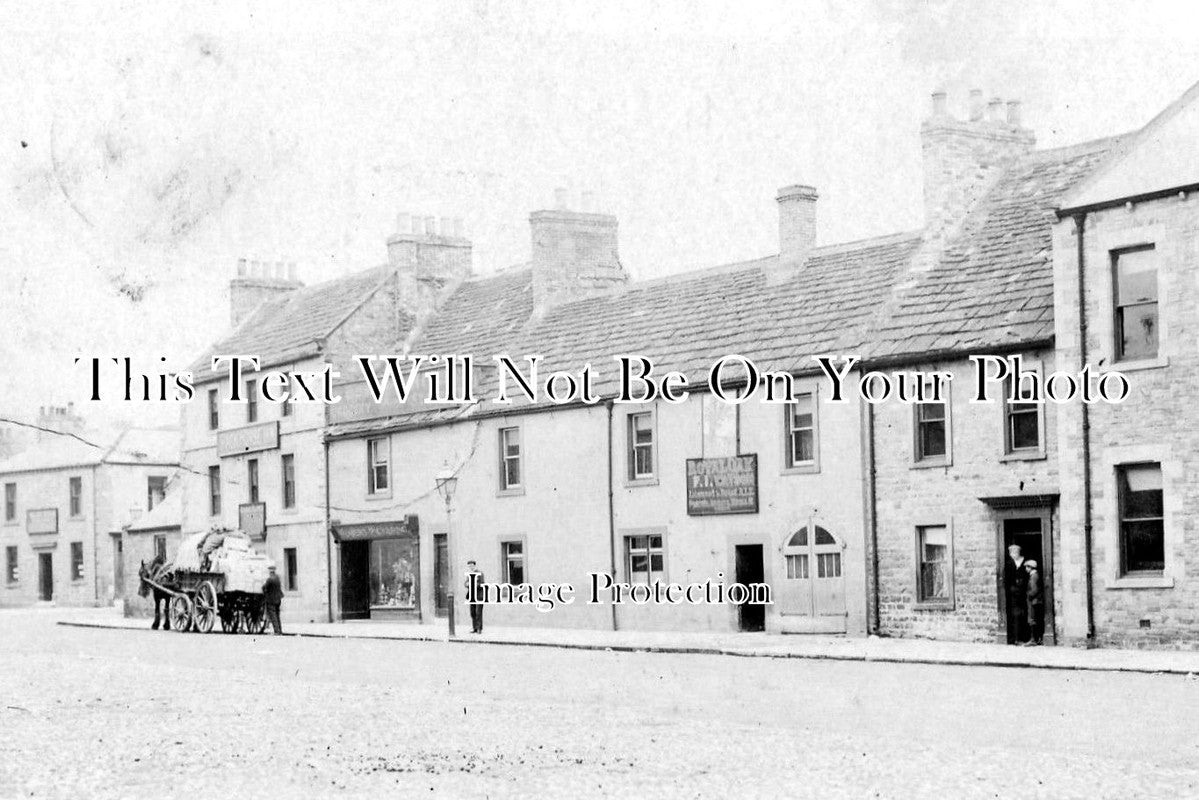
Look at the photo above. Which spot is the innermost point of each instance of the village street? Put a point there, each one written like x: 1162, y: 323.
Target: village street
x: 130, y: 713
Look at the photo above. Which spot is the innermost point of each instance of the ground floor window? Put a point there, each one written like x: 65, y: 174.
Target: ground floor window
x: 160, y: 546
x: 512, y: 555
x: 393, y: 564
x: 10, y: 564
x: 291, y: 571
x: 935, y: 568
x: 1142, y: 518
x: 76, y: 561
x: 643, y: 559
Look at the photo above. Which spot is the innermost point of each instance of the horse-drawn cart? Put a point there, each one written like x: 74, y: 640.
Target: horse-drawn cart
x: 215, y: 576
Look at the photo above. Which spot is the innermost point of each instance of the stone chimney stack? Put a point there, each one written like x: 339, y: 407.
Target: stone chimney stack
x: 797, y: 221
x: 427, y: 260
x: 963, y: 157
x: 255, y: 283
x: 574, y: 255
x: 60, y: 419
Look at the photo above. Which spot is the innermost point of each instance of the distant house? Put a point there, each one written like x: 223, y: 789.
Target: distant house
x: 66, y: 503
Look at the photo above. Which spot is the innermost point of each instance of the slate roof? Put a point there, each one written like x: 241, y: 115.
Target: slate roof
x: 290, y: 326
x: 133, y: 446
x: 992, y: 285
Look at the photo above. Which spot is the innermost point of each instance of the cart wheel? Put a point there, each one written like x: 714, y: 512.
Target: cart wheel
x: 256, y: 618
x: 205, y: 612
x: 181, y: 613
x: 229, y: 619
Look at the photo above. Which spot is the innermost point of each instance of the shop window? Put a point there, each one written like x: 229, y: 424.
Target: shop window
x: 1135, y: 300
x: 11, y: 574
x: 10, y: 502
x: 214, y: 410
x: 378, y: 458
x: 252, y: 479
x: 214, y: 490
x: 76, y: 496
x: 393, y: 570
x: 801, y: 431
x: 289, y: 481
x: 512, y: 554
x: 1142, y: 518
x: 510, y: 477
x: 1022, y: 421
x: 160, y: 546
x: 643, y: 559
x: 641, y: 446
x: 76, y: 561
x: 291, y: 570
x: 156, y: 490
x: 251, y: 401
x: 935, y: 580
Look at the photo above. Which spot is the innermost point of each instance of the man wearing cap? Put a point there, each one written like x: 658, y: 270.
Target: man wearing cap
x: 272, y: 594
x: 1036, y: 604
x: 474, y: 579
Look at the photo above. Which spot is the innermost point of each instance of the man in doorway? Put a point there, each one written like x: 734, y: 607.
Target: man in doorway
x: 1015, y: 582
x: 272, y: 595
x: 1036, y: 604
x: 473, y: 579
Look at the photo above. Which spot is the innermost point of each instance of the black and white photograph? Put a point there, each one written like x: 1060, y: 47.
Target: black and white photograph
x: 518, y: 398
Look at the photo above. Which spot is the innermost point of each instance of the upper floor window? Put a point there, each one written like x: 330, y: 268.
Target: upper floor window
x: 286, y: 404
x: 251, y: 401
x: 378, y: 457
x: 214, y: 490
x: 510, y: 458
x: 214, y: 410
x: 76, y: 496
x: 156, y: 490
x: 932, y: 432
x: 641, y: 446
x: 10, y: 502
x: 1142, y: 518
x: 289, y: 481
x: 1022, y: 422
x: 1135, y: 300
x: 512, y: 555
x: 252, y: 479
x: 801, y: 431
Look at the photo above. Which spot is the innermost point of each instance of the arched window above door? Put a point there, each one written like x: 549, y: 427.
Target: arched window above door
x: 822, y: 545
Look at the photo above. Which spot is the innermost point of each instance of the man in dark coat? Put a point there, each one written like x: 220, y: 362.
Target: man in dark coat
x: 272, y: 594
x: 1036, y: 603
x: 473, y: 578
x: 1015, y: 582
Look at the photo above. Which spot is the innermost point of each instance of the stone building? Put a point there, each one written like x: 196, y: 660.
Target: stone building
x: 66, y: 504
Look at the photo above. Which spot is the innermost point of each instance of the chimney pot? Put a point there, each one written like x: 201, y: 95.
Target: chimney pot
x: 1013, y: 113
x: 940, y: 107
x: 995, y: 110
x: 560, y: 198
x: 976, y: 105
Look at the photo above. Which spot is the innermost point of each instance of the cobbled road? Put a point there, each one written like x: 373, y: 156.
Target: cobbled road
x: 139, y: 714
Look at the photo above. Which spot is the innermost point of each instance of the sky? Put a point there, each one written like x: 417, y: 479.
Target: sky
x: 149, y: 146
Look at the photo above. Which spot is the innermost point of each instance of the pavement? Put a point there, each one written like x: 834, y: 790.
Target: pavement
x: 751, y: 645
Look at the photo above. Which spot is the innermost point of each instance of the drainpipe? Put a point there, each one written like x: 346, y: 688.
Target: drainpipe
x: 1080, y: 220
x: 611, y: 514
x: 870, y: 501
x: 328, y: 541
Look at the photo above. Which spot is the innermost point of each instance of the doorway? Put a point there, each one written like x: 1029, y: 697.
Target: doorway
x: 750, y: 568
x: 441, y: 553
x: 118, y: 566
x: 45, y: 576
x: 355, y: 580
x: 1030, y: 530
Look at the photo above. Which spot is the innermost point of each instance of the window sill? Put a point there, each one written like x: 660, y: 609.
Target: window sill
x: 801, y: 469
x: 636, y: 482
x: 1142, y: 582
x: 947, y: 605
x: 517, y: 491
x: 932, y: 463
x: 1160, y: 362
x: 1024, y: 455
x: 370, y: 496
x: 288, y: 511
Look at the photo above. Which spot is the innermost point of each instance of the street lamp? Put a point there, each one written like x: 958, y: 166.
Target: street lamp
x: 447, y: 482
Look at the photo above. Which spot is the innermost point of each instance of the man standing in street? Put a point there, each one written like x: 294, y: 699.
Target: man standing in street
x: 272, y: 593
x: 473, y: 579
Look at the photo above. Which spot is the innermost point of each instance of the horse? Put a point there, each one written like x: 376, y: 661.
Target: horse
x: 154, y: 571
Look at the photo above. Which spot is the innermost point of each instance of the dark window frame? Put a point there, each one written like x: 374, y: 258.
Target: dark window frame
x: 214, y: 410
x: 150, y: 493
x: 1119, y: 307
x: 253, y: 487
x: 507, y: 459
x: 925, y: 599
x: 634, y: 448
x: 291, y: 569
x: 919, y: 456
x: 75, y: 495
x: 12, y: 564
x: 1124, y: 520
x: 160, y: 545
x: 287, y: 465
x: 76, y: 561
x: 214, y: 490
x: 508, y: 557
x: 251, y: 400
x: 646, y: 546
x: 1012, y: 413
x: 793, y: 432
x: 377, y: 468
x: 10, y: 502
